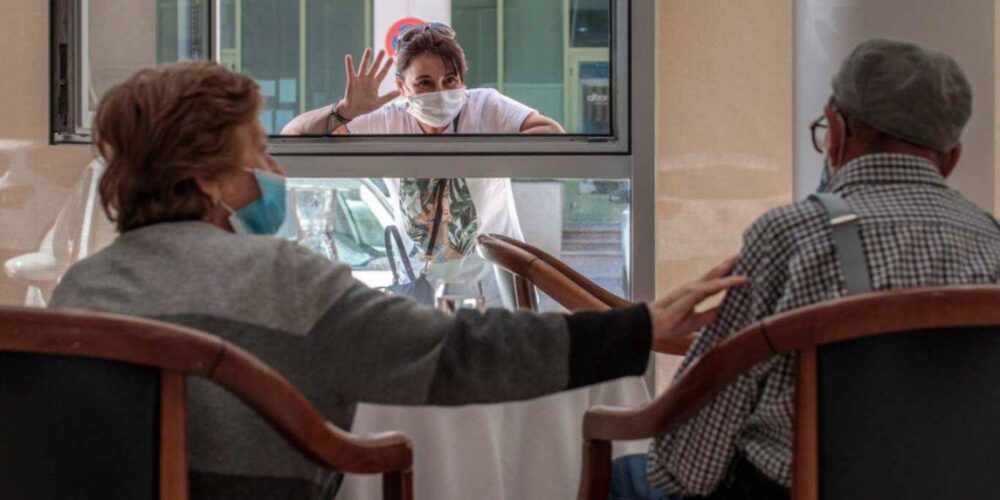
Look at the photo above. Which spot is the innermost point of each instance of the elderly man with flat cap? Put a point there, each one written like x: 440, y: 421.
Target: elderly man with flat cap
x: 890, y: 135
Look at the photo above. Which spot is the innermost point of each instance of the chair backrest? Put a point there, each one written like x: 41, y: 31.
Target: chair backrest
x: 897, y: 401
x: 893, y: 395
x: 533, y: 267
x: 92, y: 406
x: 77, y: 428
x: 498, y: 244
x: 530, y: 270
x: 910, y: 415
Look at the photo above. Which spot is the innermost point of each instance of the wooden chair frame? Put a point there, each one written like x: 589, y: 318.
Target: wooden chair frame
x: 178, y: 352
x: 533, y: 267
x: 802, y: 331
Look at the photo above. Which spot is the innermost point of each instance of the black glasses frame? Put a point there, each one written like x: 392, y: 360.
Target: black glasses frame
x: 823, y: 124
x: 820, y: 123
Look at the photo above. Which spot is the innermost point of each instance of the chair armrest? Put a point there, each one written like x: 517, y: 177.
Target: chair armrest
x: 676, y: 347
x: 288, y: 410
x: 383, y: 452
x: 696, y: 388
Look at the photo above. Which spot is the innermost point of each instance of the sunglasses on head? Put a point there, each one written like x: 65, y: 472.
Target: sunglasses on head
x: 438, y: 28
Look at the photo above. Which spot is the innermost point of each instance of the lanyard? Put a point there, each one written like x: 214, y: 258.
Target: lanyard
x: 439, y: 188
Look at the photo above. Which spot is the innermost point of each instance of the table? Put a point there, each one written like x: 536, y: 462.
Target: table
x: 513, y: 451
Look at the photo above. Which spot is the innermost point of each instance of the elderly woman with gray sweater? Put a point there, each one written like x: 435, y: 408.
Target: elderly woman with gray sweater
x: 194, y: 195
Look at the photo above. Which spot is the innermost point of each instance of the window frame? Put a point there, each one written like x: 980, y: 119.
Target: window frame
x: 629, y: 154
x: 70, y: 86
x: 63, y: 88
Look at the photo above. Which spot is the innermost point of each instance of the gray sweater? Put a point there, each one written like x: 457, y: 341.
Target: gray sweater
x: 337, y: 340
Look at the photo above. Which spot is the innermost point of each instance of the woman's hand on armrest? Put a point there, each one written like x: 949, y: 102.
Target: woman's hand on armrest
x: 675, y: 315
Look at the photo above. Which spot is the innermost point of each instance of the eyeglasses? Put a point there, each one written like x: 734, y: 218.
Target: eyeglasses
x: 819, y: 129
x: 438, y: 28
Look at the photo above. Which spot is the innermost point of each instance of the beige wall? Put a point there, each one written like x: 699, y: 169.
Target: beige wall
x: 35, y: 178
x: 724, y: 137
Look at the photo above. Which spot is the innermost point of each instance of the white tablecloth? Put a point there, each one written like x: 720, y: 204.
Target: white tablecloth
x: 515, y: 451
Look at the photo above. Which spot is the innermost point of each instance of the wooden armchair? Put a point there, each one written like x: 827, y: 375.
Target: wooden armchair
x: 93, y: 406
x: 897, y: 396
x: 533, y: 267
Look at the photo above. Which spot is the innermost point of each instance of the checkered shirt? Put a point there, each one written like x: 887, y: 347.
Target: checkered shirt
x: 915, y: 231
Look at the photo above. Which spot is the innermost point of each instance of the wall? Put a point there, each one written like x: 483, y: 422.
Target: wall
x: 34, y: 177
x: 724, y: 135
x: 996, y: 106
x: 827, y: 31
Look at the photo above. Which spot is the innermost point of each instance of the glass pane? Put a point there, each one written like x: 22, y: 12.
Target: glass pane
x: 584, y: 223
x: 538, y: 66
x: 476, y: 22
x: 272, y: 59
x: 229, y: 39
x: 182, y: 28
x: 590, y: 22
x: 590, y: 233
x: 122, y: 37
x: 353, y: 225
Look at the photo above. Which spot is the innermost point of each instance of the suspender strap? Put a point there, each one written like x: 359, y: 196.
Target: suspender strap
x: 847, y: 242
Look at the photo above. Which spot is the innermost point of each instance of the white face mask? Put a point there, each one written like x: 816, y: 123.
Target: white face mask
x: 437, y: 109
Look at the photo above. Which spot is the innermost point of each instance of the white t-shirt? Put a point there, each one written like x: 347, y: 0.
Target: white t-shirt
x: 486, y: 112
x: 492, y: 202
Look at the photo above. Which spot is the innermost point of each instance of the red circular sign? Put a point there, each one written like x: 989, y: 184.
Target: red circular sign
x: 396, y: 31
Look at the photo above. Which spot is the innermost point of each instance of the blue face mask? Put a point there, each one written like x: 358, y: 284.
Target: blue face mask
x: 266, y: 215
x: 824, y: 180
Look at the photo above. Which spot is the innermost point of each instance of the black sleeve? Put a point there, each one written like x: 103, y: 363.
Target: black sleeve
x: 609, y: 344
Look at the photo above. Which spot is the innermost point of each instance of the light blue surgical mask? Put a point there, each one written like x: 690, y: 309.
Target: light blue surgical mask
x: 824, y: 180
x: 265, y: 215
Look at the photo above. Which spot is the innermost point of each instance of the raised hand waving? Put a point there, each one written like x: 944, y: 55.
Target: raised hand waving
x: 362, y: 93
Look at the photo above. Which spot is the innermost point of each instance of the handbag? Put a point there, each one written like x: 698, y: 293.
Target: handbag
x: 417, y: 287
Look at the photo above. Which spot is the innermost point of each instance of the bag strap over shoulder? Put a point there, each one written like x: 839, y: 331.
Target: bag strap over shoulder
x: 393, y: 239
x: 847, y: 242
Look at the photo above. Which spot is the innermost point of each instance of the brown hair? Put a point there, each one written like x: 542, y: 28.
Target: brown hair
x: 431, y: 38
x: 159, y: 128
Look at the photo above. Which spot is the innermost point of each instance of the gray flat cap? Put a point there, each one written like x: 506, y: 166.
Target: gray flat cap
x: 906, y: 91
